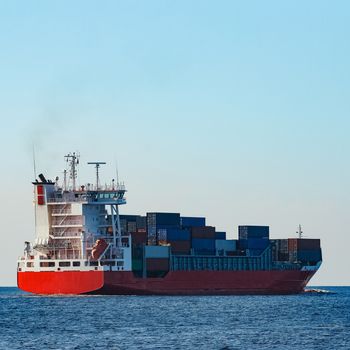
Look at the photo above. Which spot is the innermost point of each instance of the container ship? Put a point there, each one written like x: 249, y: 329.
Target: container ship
x: 83, y: 245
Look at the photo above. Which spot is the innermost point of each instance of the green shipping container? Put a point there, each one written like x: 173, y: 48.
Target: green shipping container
x: 137, y: 265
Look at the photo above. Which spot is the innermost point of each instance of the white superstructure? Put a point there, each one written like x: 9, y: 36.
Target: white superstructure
x: 77, y: 228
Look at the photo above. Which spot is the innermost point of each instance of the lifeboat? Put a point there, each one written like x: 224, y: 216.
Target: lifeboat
x: 98, y: 248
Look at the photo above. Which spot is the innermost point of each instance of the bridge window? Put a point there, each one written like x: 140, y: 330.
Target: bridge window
x: 76, y: 263
x: 64, y: 263
x: 47, y: 264
x: 30, y: 264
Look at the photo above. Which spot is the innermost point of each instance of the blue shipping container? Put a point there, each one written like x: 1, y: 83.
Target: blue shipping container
x: 254, y: 252
x: 309, y: 255
x: 204, y: 252
x: 155, y: 219
x: 254, y: 243
x: 203, y: 243
x: 131, y: 218
x: 178, y: 235
x: 220, y: 235
x: 187, y: 221
x: 165, y: 227
x: 246, y: 232
x: 225, y: 244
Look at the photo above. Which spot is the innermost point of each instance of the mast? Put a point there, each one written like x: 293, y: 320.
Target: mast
x: 73, y: 159
x: 300, y: 232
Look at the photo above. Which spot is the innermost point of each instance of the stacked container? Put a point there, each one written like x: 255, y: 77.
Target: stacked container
x: 203, y: 240
x: 137, y: 260
x: 179, y: 240
x: 304, y: 250
x: 220, y: 235
x: 190, y: 221
x: 157, y: 225
x: 249, y: 232
x: 225, y: 247
x: 139, y: 238
x: 280, y: 249
x: 141, y: 222
x: 156, y: 260
x: 128, y: 223
x: 254, y: 239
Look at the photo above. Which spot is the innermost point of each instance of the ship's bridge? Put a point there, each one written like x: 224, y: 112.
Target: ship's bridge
x: 107, y: 196
x: 104, y: 196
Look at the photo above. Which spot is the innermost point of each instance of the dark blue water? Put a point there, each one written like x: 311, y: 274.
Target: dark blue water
x: 309, y: 321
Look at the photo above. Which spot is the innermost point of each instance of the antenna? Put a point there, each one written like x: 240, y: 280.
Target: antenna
x: 300, y: 232
x: 116, y: 172
x: 34, y: 169
x: 73, y: 159
x: 97, y: 166
x: 34, y: 164
x: 64, y: 180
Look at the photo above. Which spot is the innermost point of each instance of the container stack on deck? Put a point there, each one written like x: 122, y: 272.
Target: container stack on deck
x: 280, y: 250
x: 226, y: 247
x: 301, y: 249
x: 253, y: 239
x: 158, y: 224
x: 135, y: 225
x: 203, y: 240
x: 156, y: 262
x: 179, y: 240
x: 163, y: 241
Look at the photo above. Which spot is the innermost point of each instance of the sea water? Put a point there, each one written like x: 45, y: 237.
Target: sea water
x: 319, y: 320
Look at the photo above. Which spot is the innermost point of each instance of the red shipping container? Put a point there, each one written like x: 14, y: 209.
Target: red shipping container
x: 180, y: 246
x: 157, y: 264
x: 138, y: 238
x: 295, y: 244
x: 203, y: 232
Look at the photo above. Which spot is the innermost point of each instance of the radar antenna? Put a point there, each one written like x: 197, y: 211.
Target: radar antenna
x: 300, y: 232
x: 73, y: 159
x: 97, y: 166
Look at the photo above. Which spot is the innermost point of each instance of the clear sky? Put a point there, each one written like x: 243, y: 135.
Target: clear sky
x: 238, y: 111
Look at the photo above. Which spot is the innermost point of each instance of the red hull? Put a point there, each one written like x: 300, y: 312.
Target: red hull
x: 174, y: 283
x: 60, y: 282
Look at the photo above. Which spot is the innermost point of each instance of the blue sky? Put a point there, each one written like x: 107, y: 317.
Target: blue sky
x: 238, y: 111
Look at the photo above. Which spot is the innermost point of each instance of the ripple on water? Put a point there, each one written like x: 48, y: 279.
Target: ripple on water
x: 315, y: 320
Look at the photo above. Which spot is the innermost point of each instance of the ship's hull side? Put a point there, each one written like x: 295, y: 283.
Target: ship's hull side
x: 207, y: 283
x: 60, y: 282
x: 174, y: 283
